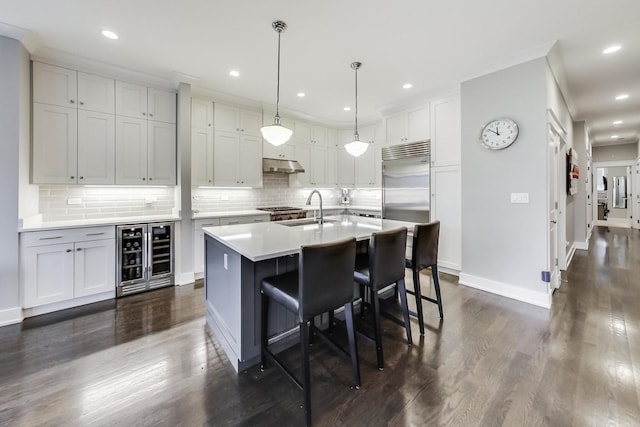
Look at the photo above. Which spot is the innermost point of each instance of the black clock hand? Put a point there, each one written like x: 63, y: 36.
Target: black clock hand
x: 493, y: 131
x: 497, y: 131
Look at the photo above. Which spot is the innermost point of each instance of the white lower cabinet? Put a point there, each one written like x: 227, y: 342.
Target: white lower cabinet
x: 446, y: 206
x: 61, y: 265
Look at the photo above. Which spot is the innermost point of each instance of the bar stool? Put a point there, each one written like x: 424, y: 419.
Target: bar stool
x: 384, y: 265
x: 424, y: 254
x: 322, y: 283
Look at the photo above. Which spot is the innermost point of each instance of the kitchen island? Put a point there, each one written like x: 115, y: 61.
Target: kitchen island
x: 238, y: 257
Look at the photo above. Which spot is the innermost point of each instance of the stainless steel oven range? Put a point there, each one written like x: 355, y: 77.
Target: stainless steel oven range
x: 281, y: 213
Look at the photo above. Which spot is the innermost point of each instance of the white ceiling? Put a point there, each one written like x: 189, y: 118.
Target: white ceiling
x: 435, y: 45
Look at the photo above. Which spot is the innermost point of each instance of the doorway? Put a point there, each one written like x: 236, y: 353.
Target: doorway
x: 613, y: 194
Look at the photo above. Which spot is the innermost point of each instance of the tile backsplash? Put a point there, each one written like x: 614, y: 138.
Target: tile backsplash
x: 59, y: 203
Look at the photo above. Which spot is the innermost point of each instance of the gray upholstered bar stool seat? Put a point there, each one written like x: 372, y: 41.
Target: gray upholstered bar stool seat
x: 384, y: 265
x: 424, y: 254
x: 322, y: 283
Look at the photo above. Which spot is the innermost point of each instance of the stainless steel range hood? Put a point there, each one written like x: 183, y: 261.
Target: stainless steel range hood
x: 281, y: 166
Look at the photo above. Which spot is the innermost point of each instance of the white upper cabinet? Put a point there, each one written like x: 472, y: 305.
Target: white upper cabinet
x: 96, y: 148
x: 407, y: 126
x: 318, y: 135
x: 445, y: 133
x: 201, y: 156
x: 96, y: 93
x: 54, y: 85
x: 131, y: 100
x: 234, y: 119
x: 131, y: 151
x: 301, y: 133
x: 55, y: 144
x: 285, y: 151
x: 161, y: 153
x: 161, y: 105
x: 201, y: 113
x: 346, y: 162
x: 237, y: 160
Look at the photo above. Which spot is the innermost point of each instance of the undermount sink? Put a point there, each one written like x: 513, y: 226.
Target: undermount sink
x: 300, y: 222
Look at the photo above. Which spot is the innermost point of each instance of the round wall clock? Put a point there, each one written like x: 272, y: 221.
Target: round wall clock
x: 499, y: 134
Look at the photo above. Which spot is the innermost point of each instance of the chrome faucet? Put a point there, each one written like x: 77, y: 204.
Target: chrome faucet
x: 321, y: 219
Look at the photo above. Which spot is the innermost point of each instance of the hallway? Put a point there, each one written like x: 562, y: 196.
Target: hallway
x: 146, y: 360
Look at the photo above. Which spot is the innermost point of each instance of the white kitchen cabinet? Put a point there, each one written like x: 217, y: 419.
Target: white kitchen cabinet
x: 201, y: 113
x: 202, y: 156
x: 332, y: 167
x: 234, y: 119
x: 61, y: 265
x: 237, y: 160
x: 55, y: 144
x: 368, y: 167
x: 96, y: 93
x: 283, y: 152
x: 445, y: 131
x: 137, y: 101
x: 346, y: 162
x: 96, y: 148
x: 131, y: 151
x: 54, y: 85
x: 313, y: 159
x: 161, y: 153
x: 318, y: 135
x: 446, y: 206
x: 301, y: 133
x: 407, y: 126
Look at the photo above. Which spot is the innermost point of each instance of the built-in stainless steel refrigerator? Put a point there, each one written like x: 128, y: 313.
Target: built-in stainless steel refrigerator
x: 145, y: 257
x: 406, y: 182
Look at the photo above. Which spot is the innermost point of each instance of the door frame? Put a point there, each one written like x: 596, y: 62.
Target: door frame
x: 594, y: 195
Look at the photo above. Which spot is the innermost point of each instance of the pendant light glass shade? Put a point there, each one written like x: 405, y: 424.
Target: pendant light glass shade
x: 276, y: 134
x: 356, y: 147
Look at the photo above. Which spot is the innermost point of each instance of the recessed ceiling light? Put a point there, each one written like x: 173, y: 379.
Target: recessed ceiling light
x: 622, y: 96
x: 347, y: 108
x: 617, y: 122
x: 234, y: 73
x: 407, y: 86
x: 109, y: 34
x: 615, y: 136
x: 301, y: 94
x: 612, y: 49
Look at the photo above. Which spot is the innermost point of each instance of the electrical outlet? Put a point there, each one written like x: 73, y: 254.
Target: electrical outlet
x: 74, y: 201
x: 519, y: 197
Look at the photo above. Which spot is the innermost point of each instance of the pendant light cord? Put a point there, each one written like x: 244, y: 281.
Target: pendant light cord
x: 278, y: 84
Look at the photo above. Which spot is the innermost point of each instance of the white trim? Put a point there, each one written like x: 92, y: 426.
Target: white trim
x: 582, y: 245
x: 614, y: 222
x: 448, y: 270
x: 62, y: 305
x: 9, y: 316
x: 184, y: 279
x: 541, y: 299
x: 611, y: 164
x: 571, y: 252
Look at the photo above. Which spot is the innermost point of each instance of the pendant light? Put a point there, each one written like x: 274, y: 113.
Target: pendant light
x: 276, y: 134
x: 356, y: 147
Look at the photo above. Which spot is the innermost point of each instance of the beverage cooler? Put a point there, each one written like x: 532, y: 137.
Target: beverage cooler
x: 145, y: 257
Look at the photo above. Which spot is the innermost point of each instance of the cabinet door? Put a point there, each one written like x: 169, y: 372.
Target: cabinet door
x: 94, y: 270
x: 201, y: 156
x: 319, y: 135
x: 446, y: 205
x: 269, y: 151
x: 96, y: 93
x: 346, y: 169
x: 250, y: 161
x: 96, y: 148
x: 318, y: 176
x: 302, y: 133
x: 161, y: 151
x: 161, y: 105
x: 332, y: 167
x: 445, y: 132
x: 225, y: 165
x: 227, y: 118
x: 131, y: 100
x: 250, y: 123
x: 55, y: 144
x: 131, y: 151
x: 303, y: 156
x: 287, y: 151
x: 367, y: 134
x: 395, y: 128
x: 202, y: 113
x: 198, y: 243
x: 54, y: 85
x: 332, y: 138
x: 47, y: 273
x: 366, y: 168
x: 417, y: 124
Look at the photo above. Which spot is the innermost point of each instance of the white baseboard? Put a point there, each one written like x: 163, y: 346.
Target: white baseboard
x: 447, y: 270
x: 184, y: 279
x: 10, y: 316
x: 614, y: 222
x: 63, y: 305
x: 582, y: 245
x: 541, y: 299
x: 572, y: 251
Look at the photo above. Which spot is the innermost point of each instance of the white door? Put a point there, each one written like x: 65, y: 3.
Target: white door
x: 250, y: 122
x: 202, y: 113
x: 418, y: 124
x: 445, y: 132
x: 227, y: 118
x: 131, y: 100
x: 250, y: 161
x: 55, y: 144
x: 96, y: 148
x: 346, y: 169
x: 332, y: 167
x: 161, y: 152
x: 201, y: 156
x: 225, y: 164
x: 131, y: 151
x: 47, y: 274
x: 554, y: 153
x: 319, y: 135
x: 161, y: 105
x: 366, y: 168
x: 318, y: 166
x: 54, y: 85
x: 446, y: 201
x: 636, y: 195
x: 96, y: 93
x: 93, y: 269
x: 396, y: 128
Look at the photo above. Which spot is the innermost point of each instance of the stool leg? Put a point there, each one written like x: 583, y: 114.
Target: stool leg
x: 362, y: 298
x: 353, y: 344
x: 263, y: 330
x: 331, y: 321
x: 436, y: 284
x: 376, y: 327
x: 306, y: 374
x: 418, y: 294
x: 402, y: 290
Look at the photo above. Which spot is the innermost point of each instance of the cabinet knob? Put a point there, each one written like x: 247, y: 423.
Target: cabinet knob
x: 72, y: 101
x: 150, y: 114
x: 82, y: 177
x: 237, y: 129
x: 79, y: 249
x: 68, y: 250
x: 241, y: 130
x: 209, y: 124
x: 144, y: 179
x: 209, y: 180
x: 81, y: 103
x: 150, y: 179
x: 144, y: 114
x: 72, y: 177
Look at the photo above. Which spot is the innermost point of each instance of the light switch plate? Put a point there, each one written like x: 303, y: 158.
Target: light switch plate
x: 519, y: 197
x: 74, y: 201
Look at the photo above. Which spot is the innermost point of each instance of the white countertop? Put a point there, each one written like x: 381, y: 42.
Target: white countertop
x: 207, y: 215
x: 39, y: 225
x: 266, y: 240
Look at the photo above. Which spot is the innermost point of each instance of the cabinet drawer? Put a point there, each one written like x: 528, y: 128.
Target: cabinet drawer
x: 201, y: 223
x: 244, y: 219
x: 50, y: 237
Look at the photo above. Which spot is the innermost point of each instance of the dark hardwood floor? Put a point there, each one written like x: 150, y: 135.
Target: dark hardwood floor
x: 146, y: 360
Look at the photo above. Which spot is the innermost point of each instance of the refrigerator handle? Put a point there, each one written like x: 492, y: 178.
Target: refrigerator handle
x: 147, y: 236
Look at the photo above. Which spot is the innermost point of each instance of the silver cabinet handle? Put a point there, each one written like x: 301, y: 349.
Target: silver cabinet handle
x: 50, y: 238
x: 94, y: 234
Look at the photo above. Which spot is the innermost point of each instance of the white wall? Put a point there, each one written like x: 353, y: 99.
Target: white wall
x: 612, y: 153
x: 504, y: 245
x: 581, y: 199
x: 14, y: 127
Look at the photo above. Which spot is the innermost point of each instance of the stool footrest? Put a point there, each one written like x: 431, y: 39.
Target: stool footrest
x: 272, y: 357
x: 334, y: 345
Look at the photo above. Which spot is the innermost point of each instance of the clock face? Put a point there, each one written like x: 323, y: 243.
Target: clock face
x: 499, y: 134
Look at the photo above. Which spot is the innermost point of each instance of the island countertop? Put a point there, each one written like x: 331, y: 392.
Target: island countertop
x: 266, y: 240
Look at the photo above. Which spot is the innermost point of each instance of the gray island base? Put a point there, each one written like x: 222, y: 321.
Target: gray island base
x: 238, y: 257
